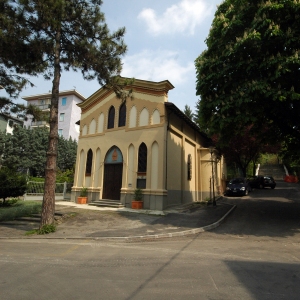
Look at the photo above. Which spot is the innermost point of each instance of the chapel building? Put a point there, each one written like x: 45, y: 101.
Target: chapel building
x: 144, y: 142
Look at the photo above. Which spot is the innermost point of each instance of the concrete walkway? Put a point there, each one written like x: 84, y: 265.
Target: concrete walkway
x: 81, y: 221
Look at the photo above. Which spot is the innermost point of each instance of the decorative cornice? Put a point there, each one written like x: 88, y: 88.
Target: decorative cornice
x: 140, y: 86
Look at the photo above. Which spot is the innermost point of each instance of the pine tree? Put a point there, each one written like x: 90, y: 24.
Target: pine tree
x: 188, y: 112
x: 67, y: 150
x: 19, y: 56
x: 70, y: 34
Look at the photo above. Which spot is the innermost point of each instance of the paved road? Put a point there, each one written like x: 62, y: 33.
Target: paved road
x: 255, y: 254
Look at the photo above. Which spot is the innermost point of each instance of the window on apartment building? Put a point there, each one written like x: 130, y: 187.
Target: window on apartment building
x: 61, y: 117
x: 44, y: 103
x: 60, y: 132
x: 64, y: 101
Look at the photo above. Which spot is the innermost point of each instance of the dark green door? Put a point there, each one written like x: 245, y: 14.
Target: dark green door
x: 112, y: 181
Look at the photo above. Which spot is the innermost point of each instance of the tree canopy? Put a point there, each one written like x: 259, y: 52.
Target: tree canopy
x: 250, y: 73
x: 14, y: 41
x: 188, y: 112
x: 26, y: 150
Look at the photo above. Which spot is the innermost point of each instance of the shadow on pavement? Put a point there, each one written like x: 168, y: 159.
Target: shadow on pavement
x: 265, y: 212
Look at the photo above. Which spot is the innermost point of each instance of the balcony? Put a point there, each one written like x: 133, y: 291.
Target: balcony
x: 44, y: 107
x: 40, y: 124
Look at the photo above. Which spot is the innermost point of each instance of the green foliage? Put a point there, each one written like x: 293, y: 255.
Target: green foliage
x: 12, y: 184
x: 250, y: 72
x: 26, y: 150
x: 66, y: 176
x: 83, y: 192
x: 20, y: 209
x: 67, y: 150
x: 14, y: 67
x: 46, y: 229
x: 36, y: 179
x: 9, y: 202
x: 188, y: 112
x: 138, y: 194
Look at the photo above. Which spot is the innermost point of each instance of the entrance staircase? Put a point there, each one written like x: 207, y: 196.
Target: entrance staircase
x: 274, y: 170
x: 107, y: 203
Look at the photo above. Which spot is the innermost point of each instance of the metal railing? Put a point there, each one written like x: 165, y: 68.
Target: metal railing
x: 37, y: 189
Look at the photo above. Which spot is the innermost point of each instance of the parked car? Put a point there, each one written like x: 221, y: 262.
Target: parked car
x: 238, y: 186
x: 262, y: 182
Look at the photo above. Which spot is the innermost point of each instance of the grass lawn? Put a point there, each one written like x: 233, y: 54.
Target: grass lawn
x: 20, y: 209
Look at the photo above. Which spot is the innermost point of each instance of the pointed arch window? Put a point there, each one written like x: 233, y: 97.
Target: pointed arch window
x: 142, y: 166
x: 89, y: 162
x: 122, y: 115
x: 111, y: 118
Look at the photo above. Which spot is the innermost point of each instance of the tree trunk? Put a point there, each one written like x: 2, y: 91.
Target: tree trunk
x: 48, y: 207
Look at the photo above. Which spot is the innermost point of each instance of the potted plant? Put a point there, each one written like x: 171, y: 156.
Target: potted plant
x: 137, y: 202
x: 82, y: 199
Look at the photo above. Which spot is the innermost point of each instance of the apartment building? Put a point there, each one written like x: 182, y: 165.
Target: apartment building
x: 68, y: 112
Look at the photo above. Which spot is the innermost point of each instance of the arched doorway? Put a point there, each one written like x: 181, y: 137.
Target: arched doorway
x: 113, y: 170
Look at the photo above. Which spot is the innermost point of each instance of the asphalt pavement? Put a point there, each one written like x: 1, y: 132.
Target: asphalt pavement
x: 82, y: 221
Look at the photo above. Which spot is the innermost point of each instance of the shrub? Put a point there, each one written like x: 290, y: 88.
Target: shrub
x: 12, y: 184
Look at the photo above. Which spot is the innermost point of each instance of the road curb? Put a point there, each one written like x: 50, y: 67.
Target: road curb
x: 142, y: 237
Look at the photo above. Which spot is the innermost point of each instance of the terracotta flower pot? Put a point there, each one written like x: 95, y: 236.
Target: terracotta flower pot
x: 136, y: 204
x: 81, y: 200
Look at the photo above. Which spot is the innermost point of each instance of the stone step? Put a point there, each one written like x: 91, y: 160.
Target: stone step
x: 276, y: 171
x: 36, y: 218
x: 107, y: 203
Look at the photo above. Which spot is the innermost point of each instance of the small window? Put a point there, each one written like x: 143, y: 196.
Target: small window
x: 64, y: 101
x: 60, y: 132
x: 111, y: 118
x: 61, y: 117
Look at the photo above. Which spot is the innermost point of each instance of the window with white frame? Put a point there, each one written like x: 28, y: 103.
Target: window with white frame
x: 64, y: 101
x: 60, y: 132
x: 61, y: 117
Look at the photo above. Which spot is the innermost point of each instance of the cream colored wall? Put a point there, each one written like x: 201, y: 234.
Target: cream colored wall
x: 126, y: 139
x: 204, y: 173
x: 190, y: 149
x: 182, y: 141
x: 174, y: 161
x: 140, y: 101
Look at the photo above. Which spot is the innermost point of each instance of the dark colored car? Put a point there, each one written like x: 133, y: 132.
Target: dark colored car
x: 238, y: 186
x: 262, y: 182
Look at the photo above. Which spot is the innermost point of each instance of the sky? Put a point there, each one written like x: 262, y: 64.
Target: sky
x: 163, y: 38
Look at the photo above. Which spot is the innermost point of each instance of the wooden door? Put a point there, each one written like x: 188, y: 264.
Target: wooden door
x: 112, y: 182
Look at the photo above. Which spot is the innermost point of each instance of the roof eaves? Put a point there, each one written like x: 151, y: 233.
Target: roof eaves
x: 181, y: 115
